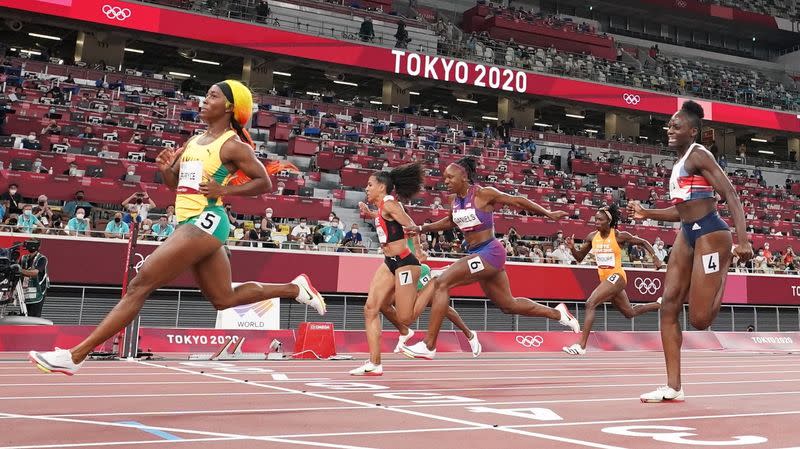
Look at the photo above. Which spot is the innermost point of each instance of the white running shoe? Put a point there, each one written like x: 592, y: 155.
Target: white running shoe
x: 309, y: 295
x: 663, y: 394
x: 58, y: 361
x: 475, y: 345
x: 418, y: 351
x: 567, y: 319
x: 403, y: 339
x: 368, y: 369
x: 575, y: 349
x: 659, y: 299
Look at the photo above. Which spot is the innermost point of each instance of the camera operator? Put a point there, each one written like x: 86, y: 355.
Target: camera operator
x: 35, y: 278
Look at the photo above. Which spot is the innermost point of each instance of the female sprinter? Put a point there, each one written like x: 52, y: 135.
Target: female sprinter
x: 701, y: 255
x: 200, y: 172
x: 397, y: 277
x: 472, y: 211
x: 604, y: 243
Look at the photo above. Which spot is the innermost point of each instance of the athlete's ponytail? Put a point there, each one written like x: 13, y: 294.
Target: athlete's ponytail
x: 404, y: 181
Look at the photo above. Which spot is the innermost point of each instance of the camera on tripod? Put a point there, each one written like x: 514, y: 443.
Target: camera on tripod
x: 12, y: 292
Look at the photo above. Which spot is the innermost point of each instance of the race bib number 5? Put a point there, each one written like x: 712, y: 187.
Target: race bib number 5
x: 208, y: 221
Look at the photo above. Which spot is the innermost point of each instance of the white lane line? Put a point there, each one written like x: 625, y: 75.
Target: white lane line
x: 186, y: 431
x: 404, y: 411
x: 648, y: 420
x: 116, y: 443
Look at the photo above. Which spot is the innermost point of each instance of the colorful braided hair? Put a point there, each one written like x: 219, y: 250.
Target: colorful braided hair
x: 240, y: 101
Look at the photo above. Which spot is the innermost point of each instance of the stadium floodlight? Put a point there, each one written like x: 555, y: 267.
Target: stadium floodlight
x: 543, y: 125
x: 411, y: 92
x: 486, y: 117
x: 466, y: 100
x: 134, y: 50
x: 205, y: 61
x: 180, y: 74
x: 275, y: 72
x: 758, y: 139
x: 345, y: 83
x: 766, y: 152
x: 575, y: 116
x: 44, y: 36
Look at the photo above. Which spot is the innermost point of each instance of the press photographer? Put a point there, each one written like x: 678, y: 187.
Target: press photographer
x: 35, y: 280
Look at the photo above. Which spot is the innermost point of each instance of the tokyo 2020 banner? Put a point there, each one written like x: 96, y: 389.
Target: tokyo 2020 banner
x: 186, y: 25
x: 99, y: 262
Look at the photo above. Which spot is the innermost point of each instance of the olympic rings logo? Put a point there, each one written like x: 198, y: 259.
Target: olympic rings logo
x: 530, y: 341
x: 680, y: 3
x: 116, y: 13
x: 142, y: 260
x: 647, y: 285
x: 631, y: 99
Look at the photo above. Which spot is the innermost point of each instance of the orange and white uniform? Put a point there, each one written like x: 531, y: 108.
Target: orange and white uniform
x: 608, y: 256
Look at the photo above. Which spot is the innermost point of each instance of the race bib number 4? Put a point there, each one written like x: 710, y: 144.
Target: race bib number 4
x: 208, y: 221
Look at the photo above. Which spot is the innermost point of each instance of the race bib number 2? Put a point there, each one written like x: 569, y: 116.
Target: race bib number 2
x: 208, y: 222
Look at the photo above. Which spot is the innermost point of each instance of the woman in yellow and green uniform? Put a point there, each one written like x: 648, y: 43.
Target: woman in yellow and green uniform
x: 604, y: 243
x: 220, y: 162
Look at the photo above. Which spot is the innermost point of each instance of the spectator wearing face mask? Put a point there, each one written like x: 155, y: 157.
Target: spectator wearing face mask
x: 71, y: 206
x: 31, y: 142
x: 353, y: 238
x: 300, y: 232
x: 659, y: 250
x: 27, y: 222
x: 561, y: 255
x: 162, y: 229
x: 142, y: 202
x: 14, y: 200
x: 42, y: 211
x: 267, y: 223
x: 332, y: 234
x: 130, y: 171
x: 116, y: 228
x: 72, y: 170
x: 437, y: 204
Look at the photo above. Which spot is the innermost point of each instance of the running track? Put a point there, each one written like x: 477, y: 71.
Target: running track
x: 497, y: 401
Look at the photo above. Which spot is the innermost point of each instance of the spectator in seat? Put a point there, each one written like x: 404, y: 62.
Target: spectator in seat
x: 14, y: 200
x: 129, y: 171
x: 87, y: 133
x: 31, y: 142
x: 57, y: 225
x: 51, y: 129
x: 136, y: 138
x: 37, y: 166
x: 69, y: 79
x: 72, y: 170
x: 576, y: 214
x: 789, y: 259
x: 262, y: 11
x: 437, y: 204
x: 42, y: 211
x: 231, y: 215
x: 301, y: 231
x: 401, y: 36
x: 561, y: 255
x: 635, y: 254
x: 132, y: 215
x: 71, y: 206
x: 172, y: 219
x: 162, y: 229
x: 266, y: 222
x: 366, y: 32
x: 332, y: 233
x: 142, y: 202
x: 27, y: 222
x: 537, y: 255
x: 116, y: 228
x: 353, y: 238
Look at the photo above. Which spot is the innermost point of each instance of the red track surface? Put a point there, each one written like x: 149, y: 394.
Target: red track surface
x: 496, y: 401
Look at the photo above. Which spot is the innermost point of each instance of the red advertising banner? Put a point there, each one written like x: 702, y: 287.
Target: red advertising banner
x: 187, y: 25
x: 185, y: 341
x: 101, y: 263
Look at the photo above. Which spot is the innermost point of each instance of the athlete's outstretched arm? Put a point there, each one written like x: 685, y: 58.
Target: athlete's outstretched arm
x: 243, y: 157
x: 441, y: 225
x: 581, y: 253
x: 668, y: 214
x: 627, y: 237
x: 494, y: 196
x: 708, y: 167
